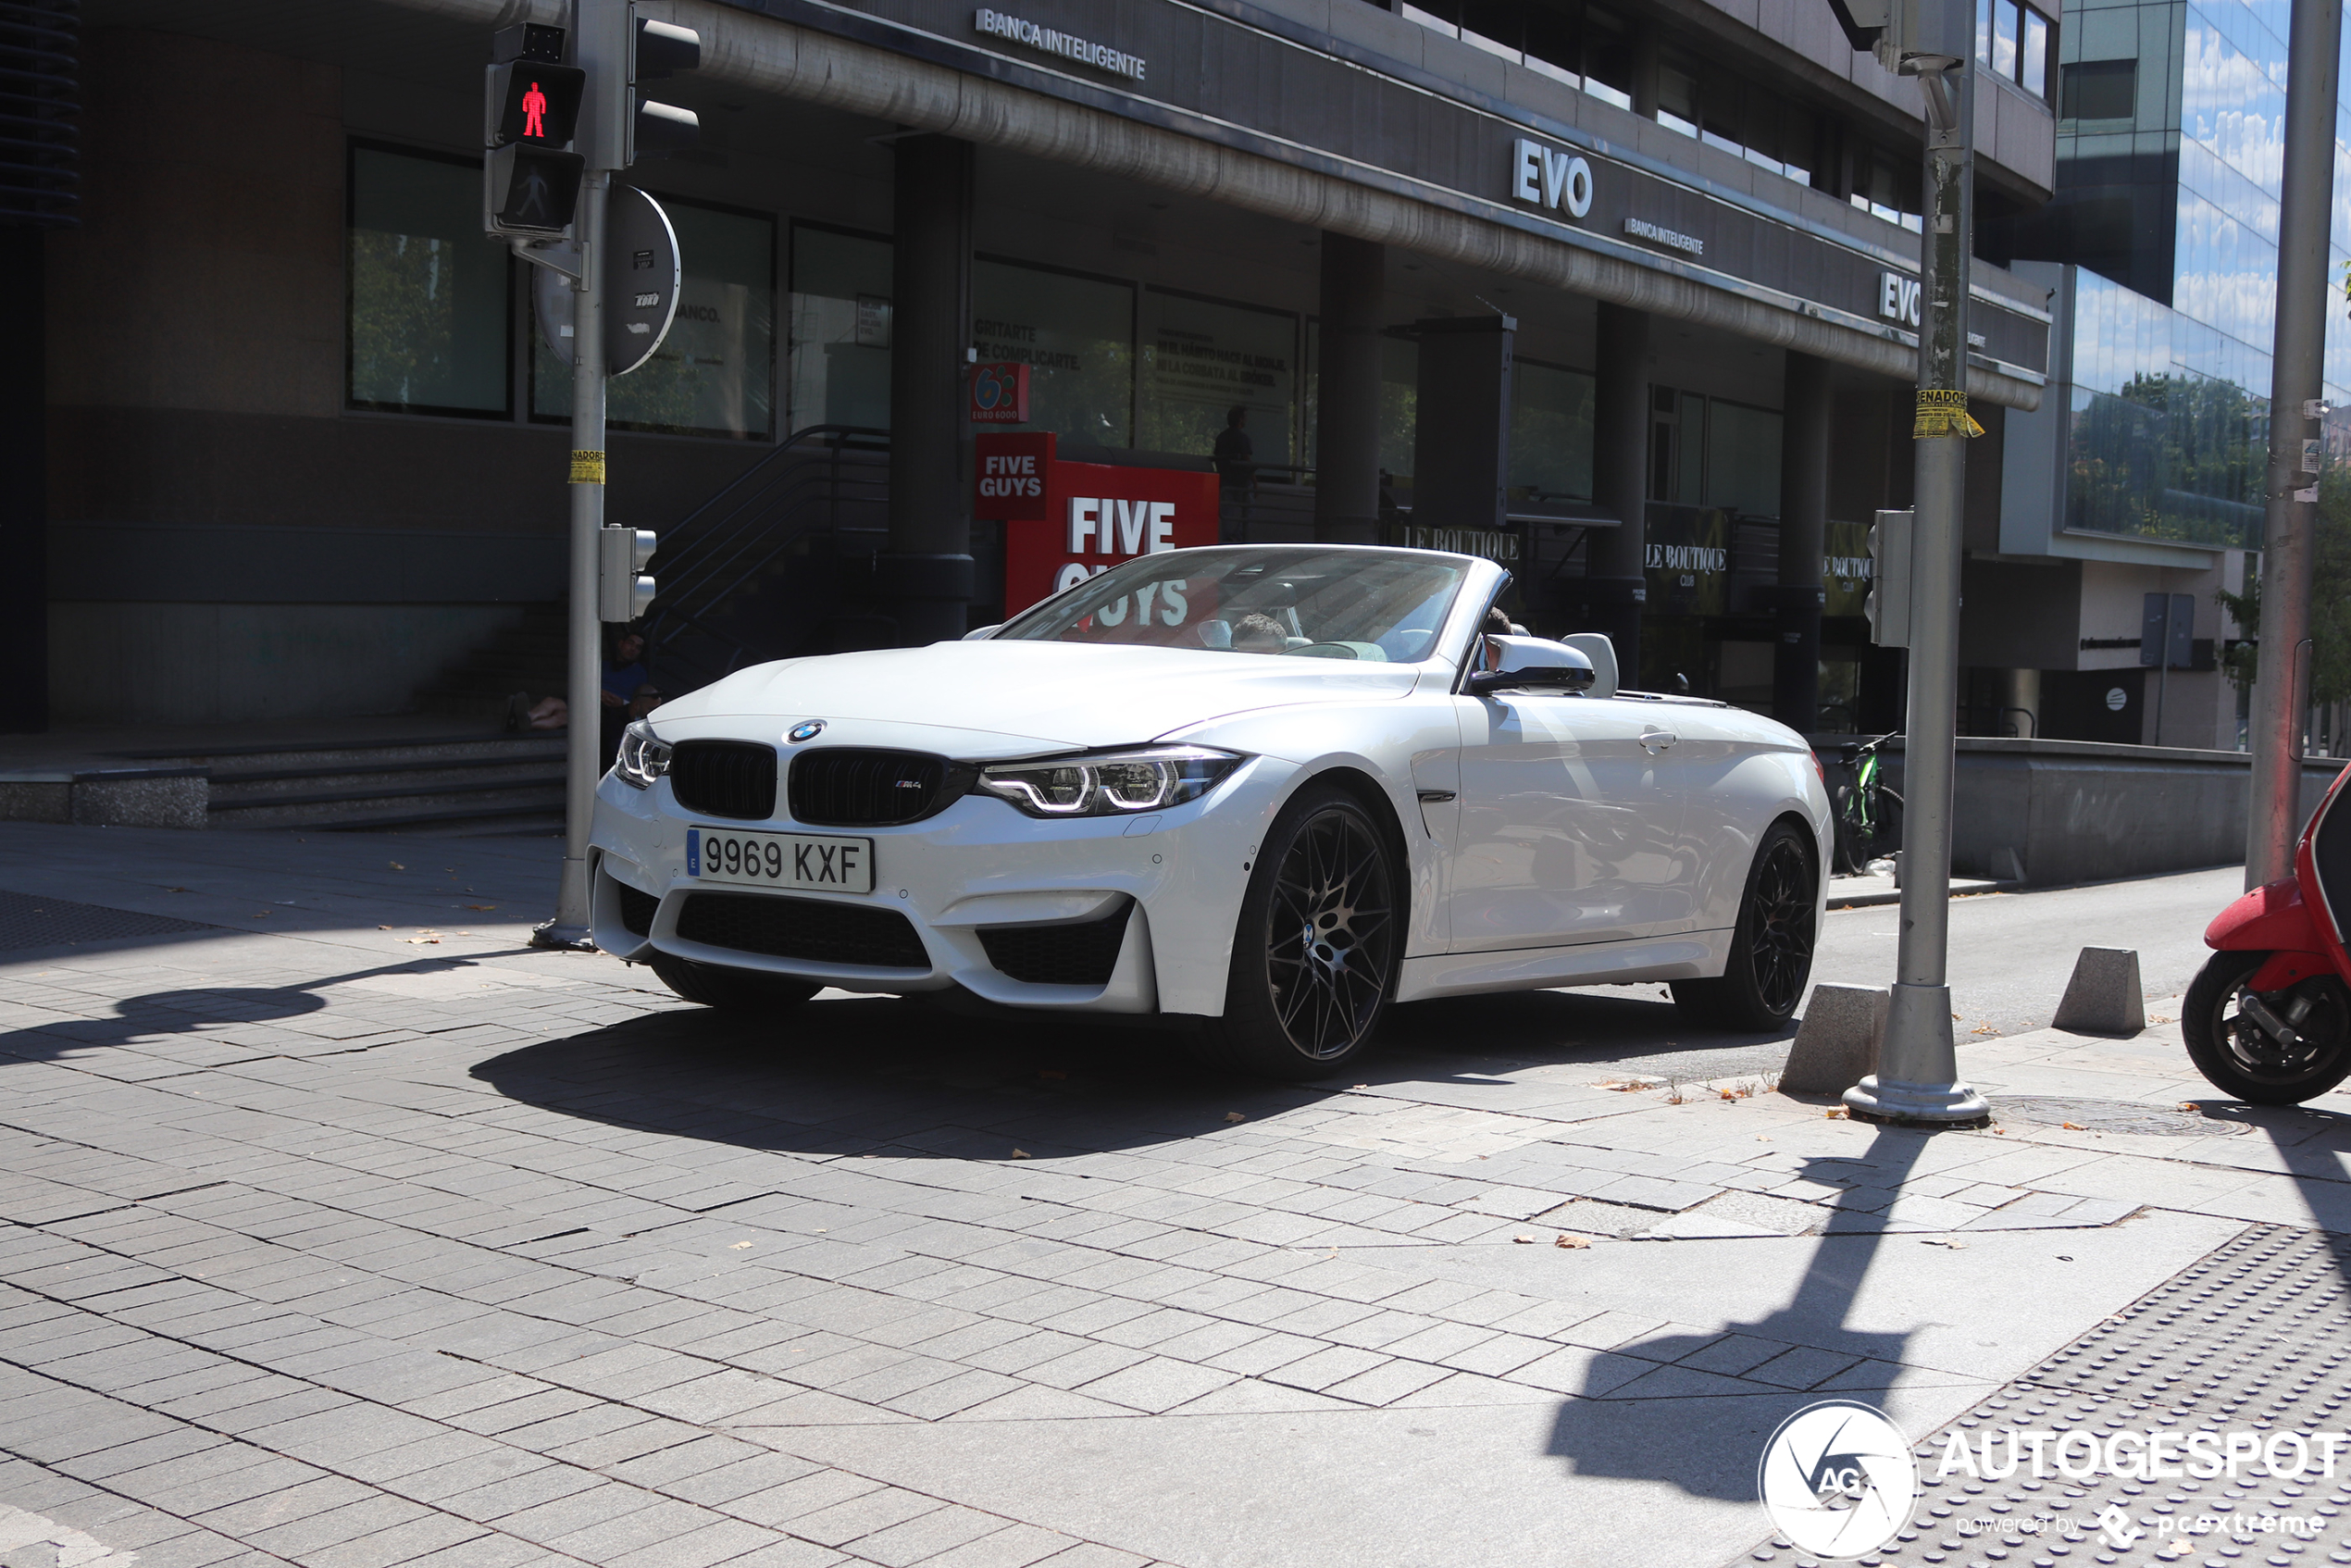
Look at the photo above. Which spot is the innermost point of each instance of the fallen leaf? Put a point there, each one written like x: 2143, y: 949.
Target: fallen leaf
x: 1017, y: 1154
x: 383, y: 927
x: 1524, y: 1241
x: 395, y: 865
x: 1761, y: 1138
x: 2072, y: 1127
x: 739, y: 1246
x: 2190, y: 1106
x: 175, y: 890
x: 1235, y: 1116
x: 258, y: 914
x: 422, y: 942
x: 1944, y: 1241
x: 1726, y: 1094
x: 1837, y: 1115
x: 1573, y: 1243
x: 481, y: 906
x: 1672, y: 1099
x: 1362, y: 1086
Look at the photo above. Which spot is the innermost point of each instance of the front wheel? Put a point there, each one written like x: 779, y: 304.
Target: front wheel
x: 2241, y: 1058
x: 1315, y: 950
x: 1770, y: 946
x: 730, y: 991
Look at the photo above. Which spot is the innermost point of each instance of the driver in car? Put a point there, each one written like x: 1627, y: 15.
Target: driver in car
x: 1259, y: 633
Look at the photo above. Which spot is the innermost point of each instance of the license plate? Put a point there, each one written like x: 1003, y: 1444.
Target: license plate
x: 779, y: 860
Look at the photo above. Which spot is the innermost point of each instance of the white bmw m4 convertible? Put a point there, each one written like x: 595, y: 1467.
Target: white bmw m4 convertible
x: 1267, y: 790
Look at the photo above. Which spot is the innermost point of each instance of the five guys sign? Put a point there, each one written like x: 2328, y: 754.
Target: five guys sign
x: 1063, y: 522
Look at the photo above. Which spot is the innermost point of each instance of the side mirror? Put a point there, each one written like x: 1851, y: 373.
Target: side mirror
x: 1596, y: 647
x: 1530, y: 663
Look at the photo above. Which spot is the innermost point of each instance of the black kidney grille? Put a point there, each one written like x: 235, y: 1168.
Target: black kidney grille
x: 636, y: 908
x: 804, y: 929
x: 1078, y: 953
x: 849, y: 787
x: 724, y: 778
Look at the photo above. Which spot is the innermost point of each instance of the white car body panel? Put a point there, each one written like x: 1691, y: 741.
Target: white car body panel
x: 1568, y: 853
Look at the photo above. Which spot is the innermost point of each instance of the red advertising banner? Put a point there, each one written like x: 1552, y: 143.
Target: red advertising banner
x: 1082, y: 517
x: 1000, y: 394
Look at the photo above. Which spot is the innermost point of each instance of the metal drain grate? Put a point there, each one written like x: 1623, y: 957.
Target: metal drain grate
x: 2254, y: 1340
x: 2113, y: 1115
x: 27, y: 921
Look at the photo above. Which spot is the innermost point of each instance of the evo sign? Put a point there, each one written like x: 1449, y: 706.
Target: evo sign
x: 1548, y: 177
x: 1897, y: 298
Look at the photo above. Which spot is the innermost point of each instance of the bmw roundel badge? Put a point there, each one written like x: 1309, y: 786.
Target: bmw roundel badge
x: 808, y: 731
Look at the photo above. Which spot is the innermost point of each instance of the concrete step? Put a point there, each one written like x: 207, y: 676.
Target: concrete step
x: 359, y: 780
x: 392, y: 804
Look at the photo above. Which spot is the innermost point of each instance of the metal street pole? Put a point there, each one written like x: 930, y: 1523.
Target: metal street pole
x: 599, y: 31
x: 1917, y: 1079
x: 2282, y: 671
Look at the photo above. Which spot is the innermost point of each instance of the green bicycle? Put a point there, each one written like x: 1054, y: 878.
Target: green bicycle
x: 1868, y: 814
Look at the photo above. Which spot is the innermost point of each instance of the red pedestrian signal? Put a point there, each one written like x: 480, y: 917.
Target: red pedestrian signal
x: 534, y: 103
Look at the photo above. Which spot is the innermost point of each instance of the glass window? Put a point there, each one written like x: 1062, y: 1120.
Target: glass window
x: 1400, y: 404
x: 715, y: 375
x: 1678, y: 100
x: 1384, y: 606
x: 430, y: 308
x: 1551, y: 432
x: 1743, y: 459
x: 841, y: 324
x: 1078, y: 337
x: 1983, y: 31
x: 1201, y: 359
x: 2004, y: 38
x: 2035, y: 76
x: 2098, y: 90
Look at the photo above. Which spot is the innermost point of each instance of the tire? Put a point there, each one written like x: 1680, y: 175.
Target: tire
x: 2237, y: 1058
x: 730, y: 991
x: 1316, y: 949
x: 1771, y: 946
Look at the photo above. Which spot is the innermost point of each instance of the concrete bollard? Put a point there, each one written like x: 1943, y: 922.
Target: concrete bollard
x: 2103, y: 997
x: 1838, y: 1043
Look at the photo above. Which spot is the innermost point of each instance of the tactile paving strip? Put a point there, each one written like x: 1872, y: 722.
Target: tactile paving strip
x: 2251, y: 1341
x: 27, y: 921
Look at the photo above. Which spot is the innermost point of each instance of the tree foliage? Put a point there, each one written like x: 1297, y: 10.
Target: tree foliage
x: 2330, y: 601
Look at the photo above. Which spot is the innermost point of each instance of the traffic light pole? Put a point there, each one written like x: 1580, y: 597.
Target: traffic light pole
x: 584, y: 760
x: 2281, y: 673
x: 1918, y: 1075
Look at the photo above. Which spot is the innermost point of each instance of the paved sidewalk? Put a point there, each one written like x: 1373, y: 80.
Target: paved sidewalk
x: 344, y: 1230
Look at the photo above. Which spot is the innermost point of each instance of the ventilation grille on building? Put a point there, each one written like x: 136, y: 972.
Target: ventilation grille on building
x: 724, y: 778
x: 1079, y: 954
x: 40, y: 97
x: 807, y: 930
x: 844, y: 787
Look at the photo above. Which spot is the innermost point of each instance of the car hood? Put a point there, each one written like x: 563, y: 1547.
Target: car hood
x: 1006, y: 699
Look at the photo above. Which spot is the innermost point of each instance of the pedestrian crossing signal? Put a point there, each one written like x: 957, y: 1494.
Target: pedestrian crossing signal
x: 534, y: 103
x: 530, y: 116
x: 532, y: 190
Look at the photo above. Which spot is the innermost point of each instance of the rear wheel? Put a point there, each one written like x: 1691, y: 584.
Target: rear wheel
x: 1770, y: 946
x: 1315, y: 953
x: 2241, y: 1058
x: 732, y: 990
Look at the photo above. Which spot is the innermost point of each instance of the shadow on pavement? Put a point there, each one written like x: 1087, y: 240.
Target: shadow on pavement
x: 1638, y: 1420
x: 872, y: 1074
x: 193, y: 1009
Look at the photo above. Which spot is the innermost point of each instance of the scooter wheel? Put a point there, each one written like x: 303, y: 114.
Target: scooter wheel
x: 2238, y: 1057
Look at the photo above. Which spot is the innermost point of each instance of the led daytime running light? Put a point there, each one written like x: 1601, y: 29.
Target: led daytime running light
x: 645, y: 756
x: 1109, y: 783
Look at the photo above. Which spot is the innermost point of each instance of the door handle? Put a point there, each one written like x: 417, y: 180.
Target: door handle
x: 1656, y: 741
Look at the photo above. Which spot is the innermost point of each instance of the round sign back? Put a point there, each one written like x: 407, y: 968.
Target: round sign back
x: 641, y: 279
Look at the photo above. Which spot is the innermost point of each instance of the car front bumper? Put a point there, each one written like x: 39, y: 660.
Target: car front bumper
x: 984, y: 888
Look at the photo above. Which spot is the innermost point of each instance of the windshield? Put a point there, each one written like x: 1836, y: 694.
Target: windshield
x: 1384, y: 606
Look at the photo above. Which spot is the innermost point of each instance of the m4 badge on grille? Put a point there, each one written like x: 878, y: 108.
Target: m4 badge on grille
x: 808, y: 731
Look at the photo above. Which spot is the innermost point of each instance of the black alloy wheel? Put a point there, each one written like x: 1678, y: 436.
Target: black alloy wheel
x: 2241, y: 1058
x: 1771, y: 947
x: 1315, y: 953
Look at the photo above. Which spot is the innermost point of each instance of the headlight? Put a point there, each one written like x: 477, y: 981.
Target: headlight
x: 1109, y: 783
x: 645, y: 756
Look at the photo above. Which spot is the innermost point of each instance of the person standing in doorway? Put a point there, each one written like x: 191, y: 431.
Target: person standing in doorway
x: 1236, y: 457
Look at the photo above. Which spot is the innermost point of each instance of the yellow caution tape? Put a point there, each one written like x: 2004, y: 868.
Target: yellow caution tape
x: 588, y: 468
x: 1943, y: 412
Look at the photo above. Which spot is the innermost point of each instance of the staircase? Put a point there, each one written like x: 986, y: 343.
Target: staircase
x: 777, y: 564
x: 460, y: 783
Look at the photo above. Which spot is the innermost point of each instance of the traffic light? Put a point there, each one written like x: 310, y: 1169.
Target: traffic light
x: 530, y: 115
x: 621, y: 594
x: 657, y: 50
x: 1889, y: 602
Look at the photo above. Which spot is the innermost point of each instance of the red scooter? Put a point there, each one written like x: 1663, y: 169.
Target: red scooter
x: 2269, y: 1018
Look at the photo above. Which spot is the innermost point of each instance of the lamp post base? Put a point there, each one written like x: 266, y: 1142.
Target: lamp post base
x: 1880, y: 1099
x: 1918, y: 1075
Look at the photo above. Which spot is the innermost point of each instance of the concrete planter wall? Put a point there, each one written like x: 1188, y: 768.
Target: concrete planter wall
x: 2083, y: 811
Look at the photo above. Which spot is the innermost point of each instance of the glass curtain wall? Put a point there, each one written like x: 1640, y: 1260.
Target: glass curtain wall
x: 429, y: 317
